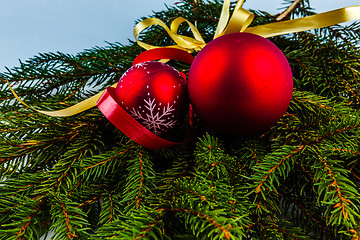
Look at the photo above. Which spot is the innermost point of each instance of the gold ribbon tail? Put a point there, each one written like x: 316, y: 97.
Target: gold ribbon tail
x: 67, y: 112
x: 320, y: 20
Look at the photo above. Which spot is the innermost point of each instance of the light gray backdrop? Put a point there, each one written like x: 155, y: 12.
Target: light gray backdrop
x: 29, y: 27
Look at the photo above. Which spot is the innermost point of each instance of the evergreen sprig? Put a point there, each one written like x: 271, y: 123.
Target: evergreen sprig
x: 81, y: 178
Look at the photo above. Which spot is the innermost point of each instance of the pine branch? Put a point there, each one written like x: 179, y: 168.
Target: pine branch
x: 140, y: 180
x: 277, y: 164
x: 82, y: 178
x: 23, y: 217
x: 62, y: 77
x: 104, y: 164
x: 214, y: 223
x: 111, y: 208
x: 295, y: 208
x: 337, y: 191
x: 210, y: 158
x: 69, y: 221
x: 285, y: 13
x: 283, y: 230
x: 144, y: 224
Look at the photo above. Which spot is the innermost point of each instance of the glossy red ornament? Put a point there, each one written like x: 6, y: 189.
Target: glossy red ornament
x: 154, y: 94
x: 240, y: 84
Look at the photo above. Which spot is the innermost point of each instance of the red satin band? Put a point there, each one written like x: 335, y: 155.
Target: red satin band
x: 127, y: 124
x: 164, y: 53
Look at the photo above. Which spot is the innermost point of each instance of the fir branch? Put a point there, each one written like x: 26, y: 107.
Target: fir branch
x: 285, y: 13
x: 69, y: 221
x: 22, y: 233
x: 110, y: 209
x: 193, y: 188
x: 63, y: 73
x: 99, y: 166
x: 210, y: 158
x: 336, y: 191
x: 248, y: 187
x: 300, y: 213
x: 140, y: 180
x: 282, y: 229
x: 217, y: 226
x: 32, y: 143
x: 141, y: 224
x: 327, y: 120
x: 62, y: 175
x: 195, y: 199
x: 278, y: 162
x: 223, y: 230
x: 24, y: 217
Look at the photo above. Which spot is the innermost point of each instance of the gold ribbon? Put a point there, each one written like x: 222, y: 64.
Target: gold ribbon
x: 195, y: 43
x: 67, y: 112
x: 320, y: 20
x: 238, y: 22
x: 241, y: 19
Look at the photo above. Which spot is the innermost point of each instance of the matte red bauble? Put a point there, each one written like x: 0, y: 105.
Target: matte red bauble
x: 154, y: 94
x: 240, y: 84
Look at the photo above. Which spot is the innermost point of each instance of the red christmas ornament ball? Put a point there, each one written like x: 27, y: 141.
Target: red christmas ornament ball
x: 240, y: 84
x: 154, y: 94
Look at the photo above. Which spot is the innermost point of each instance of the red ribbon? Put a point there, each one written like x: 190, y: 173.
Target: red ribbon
x: 127, y: 124
x: 164, y: 53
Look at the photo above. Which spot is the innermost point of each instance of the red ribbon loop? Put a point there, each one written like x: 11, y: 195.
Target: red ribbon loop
x: 164, y: 53
x: 128, y: 125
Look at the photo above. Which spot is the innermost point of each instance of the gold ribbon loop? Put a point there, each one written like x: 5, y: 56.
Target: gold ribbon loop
x: 240, y: 19
x: 175, y: 26
x: 224, y: 18
x: 183, y: 42
x: 238, y: 22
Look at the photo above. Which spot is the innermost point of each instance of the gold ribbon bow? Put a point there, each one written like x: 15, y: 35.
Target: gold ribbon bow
x: 238, y: 22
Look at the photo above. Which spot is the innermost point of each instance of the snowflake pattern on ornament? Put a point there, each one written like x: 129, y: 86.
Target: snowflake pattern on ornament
x: 156, y: 119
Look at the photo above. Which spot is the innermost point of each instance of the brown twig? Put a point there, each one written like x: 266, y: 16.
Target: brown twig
x: 285, y: 13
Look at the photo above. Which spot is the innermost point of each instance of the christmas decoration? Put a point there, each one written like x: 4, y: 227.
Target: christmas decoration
x: 240, y: 84
x: 154, y: 94
x: 80, y: 178
x: 150, y: 98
